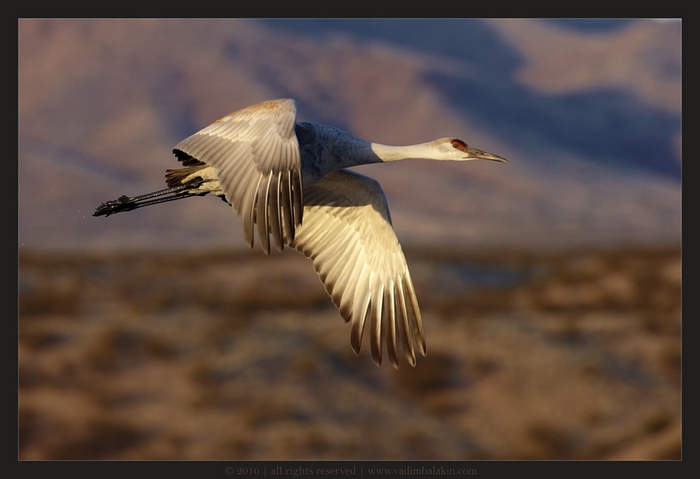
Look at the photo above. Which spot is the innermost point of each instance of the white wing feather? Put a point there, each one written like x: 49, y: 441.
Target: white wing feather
x: 256, y: 156
x: 347, y: 233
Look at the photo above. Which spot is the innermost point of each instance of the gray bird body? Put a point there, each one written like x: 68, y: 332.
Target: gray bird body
x: 325, y: 148
x: 289, y: 181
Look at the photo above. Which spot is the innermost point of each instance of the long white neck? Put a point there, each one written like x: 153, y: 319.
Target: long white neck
x: 324, y: 149
x: 396, y: 153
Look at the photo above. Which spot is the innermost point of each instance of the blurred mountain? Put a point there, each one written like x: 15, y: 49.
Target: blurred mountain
x: 589, y: 117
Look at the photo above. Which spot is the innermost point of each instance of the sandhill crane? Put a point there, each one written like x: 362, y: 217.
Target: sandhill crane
x: 289, y: 179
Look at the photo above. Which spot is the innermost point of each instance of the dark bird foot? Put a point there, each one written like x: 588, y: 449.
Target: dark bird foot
x: 123, y: 203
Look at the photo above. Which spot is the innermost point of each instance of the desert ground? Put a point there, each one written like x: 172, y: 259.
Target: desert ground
x: 237, y: 356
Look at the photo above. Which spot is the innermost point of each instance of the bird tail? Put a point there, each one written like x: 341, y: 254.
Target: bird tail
x: 179, y: 176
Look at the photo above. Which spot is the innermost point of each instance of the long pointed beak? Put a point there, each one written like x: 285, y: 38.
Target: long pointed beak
x: 483, y: 155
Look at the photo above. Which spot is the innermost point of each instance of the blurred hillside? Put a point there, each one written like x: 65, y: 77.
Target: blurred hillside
x: 589, y: 119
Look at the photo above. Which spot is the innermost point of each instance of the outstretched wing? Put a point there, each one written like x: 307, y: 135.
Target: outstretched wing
x: 347, y: 233
x: 256, y: 157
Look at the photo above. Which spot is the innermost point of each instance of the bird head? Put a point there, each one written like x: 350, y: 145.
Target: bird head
x: 455, y: 149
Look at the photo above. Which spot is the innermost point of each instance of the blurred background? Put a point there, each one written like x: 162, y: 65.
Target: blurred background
x: 550, y: 287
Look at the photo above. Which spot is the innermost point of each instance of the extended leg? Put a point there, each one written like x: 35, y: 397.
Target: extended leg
x: 126, y: 203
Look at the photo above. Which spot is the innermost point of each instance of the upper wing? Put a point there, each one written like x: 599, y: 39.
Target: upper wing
x: 256, y: 156
x: 347, y: 233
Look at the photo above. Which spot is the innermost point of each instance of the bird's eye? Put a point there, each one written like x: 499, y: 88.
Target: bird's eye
x: 459, y: 144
